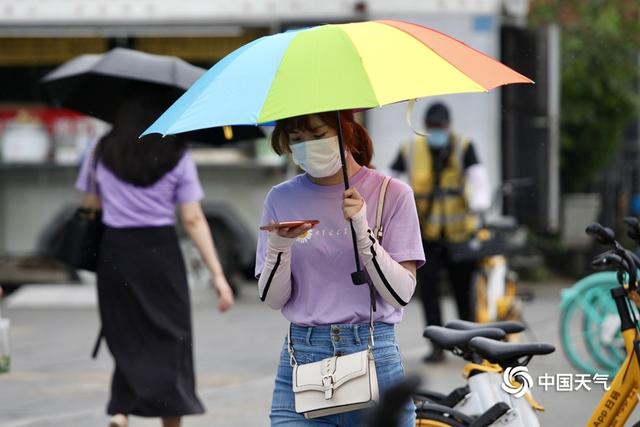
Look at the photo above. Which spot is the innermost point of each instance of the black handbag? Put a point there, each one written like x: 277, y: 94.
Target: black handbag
x: 81, y: 239
x: 80, y: 242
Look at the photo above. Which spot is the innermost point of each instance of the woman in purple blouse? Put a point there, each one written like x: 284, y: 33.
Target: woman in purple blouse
x: 305, y: 272
x: 142, y: 285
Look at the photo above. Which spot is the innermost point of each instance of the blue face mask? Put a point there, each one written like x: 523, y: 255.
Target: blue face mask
x: 437, y: 138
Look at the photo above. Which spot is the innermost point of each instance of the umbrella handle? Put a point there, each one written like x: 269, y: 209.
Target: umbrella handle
x: 358, y: 277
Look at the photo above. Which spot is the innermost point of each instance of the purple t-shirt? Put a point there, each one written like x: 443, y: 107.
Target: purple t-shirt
x: 125, y: 205
x: 322, y: 260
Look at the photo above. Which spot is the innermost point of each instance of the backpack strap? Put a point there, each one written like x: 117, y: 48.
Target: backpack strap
x: 378, y: 230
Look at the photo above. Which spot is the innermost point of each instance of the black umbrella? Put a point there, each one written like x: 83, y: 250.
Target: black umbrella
x: 96, y: 84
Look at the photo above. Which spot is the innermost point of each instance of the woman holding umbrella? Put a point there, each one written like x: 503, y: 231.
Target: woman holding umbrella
x: 305, y: 271
x: 142, y: 284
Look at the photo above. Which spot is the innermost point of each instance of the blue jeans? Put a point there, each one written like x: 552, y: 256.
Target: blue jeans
x: 312, y: 344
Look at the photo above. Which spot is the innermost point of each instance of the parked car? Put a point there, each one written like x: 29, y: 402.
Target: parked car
x: 235, y: 243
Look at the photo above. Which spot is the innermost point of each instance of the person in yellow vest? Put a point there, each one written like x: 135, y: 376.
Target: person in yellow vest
x: 451, y: 186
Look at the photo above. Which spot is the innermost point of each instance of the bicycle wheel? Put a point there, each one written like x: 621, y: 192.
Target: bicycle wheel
x: 606, y: 346
x: 586, y: 308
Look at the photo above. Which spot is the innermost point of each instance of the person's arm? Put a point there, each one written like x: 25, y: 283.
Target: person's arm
x: 92, y: 201
x: 395, y: 281
x: 274, y: 281
x: 86, y: 181
x: 197, y: 228
x: 479, y: 194
x: 477, y: 178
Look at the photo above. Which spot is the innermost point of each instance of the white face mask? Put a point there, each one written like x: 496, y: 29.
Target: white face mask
x: 320, y: 158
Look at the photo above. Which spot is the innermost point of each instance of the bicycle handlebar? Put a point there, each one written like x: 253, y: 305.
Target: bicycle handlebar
x: 633, y: 224
x: 624, y: 260
x: 609, y: 259
x: 603, y: 235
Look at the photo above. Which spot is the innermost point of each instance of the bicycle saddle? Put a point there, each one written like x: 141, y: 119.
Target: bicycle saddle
x: 450, y: 339
x: 508, y: 354
x: 508, y: 326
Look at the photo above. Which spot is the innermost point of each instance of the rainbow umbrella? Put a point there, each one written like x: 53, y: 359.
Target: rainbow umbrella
x: 332, y: 67
x: 329, y: 68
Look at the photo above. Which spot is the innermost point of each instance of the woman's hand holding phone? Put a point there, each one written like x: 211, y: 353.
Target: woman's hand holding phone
x: 292, y: 233
x: 290, y: 229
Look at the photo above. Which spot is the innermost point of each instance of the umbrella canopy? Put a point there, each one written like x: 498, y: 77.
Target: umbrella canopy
x: 332, y: 67
x: 96, y: 84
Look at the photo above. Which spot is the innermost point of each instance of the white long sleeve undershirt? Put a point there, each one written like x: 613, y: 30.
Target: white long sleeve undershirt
x: 479, y: 194
x: 394, y: 282
x: 274, y: 284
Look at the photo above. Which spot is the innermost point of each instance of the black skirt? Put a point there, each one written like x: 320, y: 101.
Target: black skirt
x: 146, y: 320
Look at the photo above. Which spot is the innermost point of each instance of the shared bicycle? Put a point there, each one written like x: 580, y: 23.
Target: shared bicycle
x: 494, y: 293
x: 589, y: 324
x: 497, y: 390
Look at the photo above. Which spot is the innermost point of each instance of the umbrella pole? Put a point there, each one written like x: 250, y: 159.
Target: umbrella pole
x: 359, y: 277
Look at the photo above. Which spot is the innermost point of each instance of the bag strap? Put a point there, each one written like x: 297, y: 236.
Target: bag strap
x: 378, y: 230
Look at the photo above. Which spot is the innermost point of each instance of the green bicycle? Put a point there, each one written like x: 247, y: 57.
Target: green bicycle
x: 590, y: 325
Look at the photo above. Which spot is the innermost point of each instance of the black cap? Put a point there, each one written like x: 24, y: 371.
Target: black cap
x: 437, y: 115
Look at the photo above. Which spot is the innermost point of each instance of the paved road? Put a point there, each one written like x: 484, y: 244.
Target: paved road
x: 54, y: 382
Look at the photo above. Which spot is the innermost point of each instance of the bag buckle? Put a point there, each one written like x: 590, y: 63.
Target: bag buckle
x: 327, y: 385
x: 378, y: 234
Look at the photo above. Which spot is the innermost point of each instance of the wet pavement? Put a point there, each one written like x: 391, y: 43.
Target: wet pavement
x: 54, y: 382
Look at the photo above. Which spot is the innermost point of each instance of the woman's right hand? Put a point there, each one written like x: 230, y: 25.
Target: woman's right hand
x: 292, y: 233
x: 224, y: 292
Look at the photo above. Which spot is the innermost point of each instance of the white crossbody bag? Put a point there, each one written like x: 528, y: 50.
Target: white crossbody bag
x: 341, y: 383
